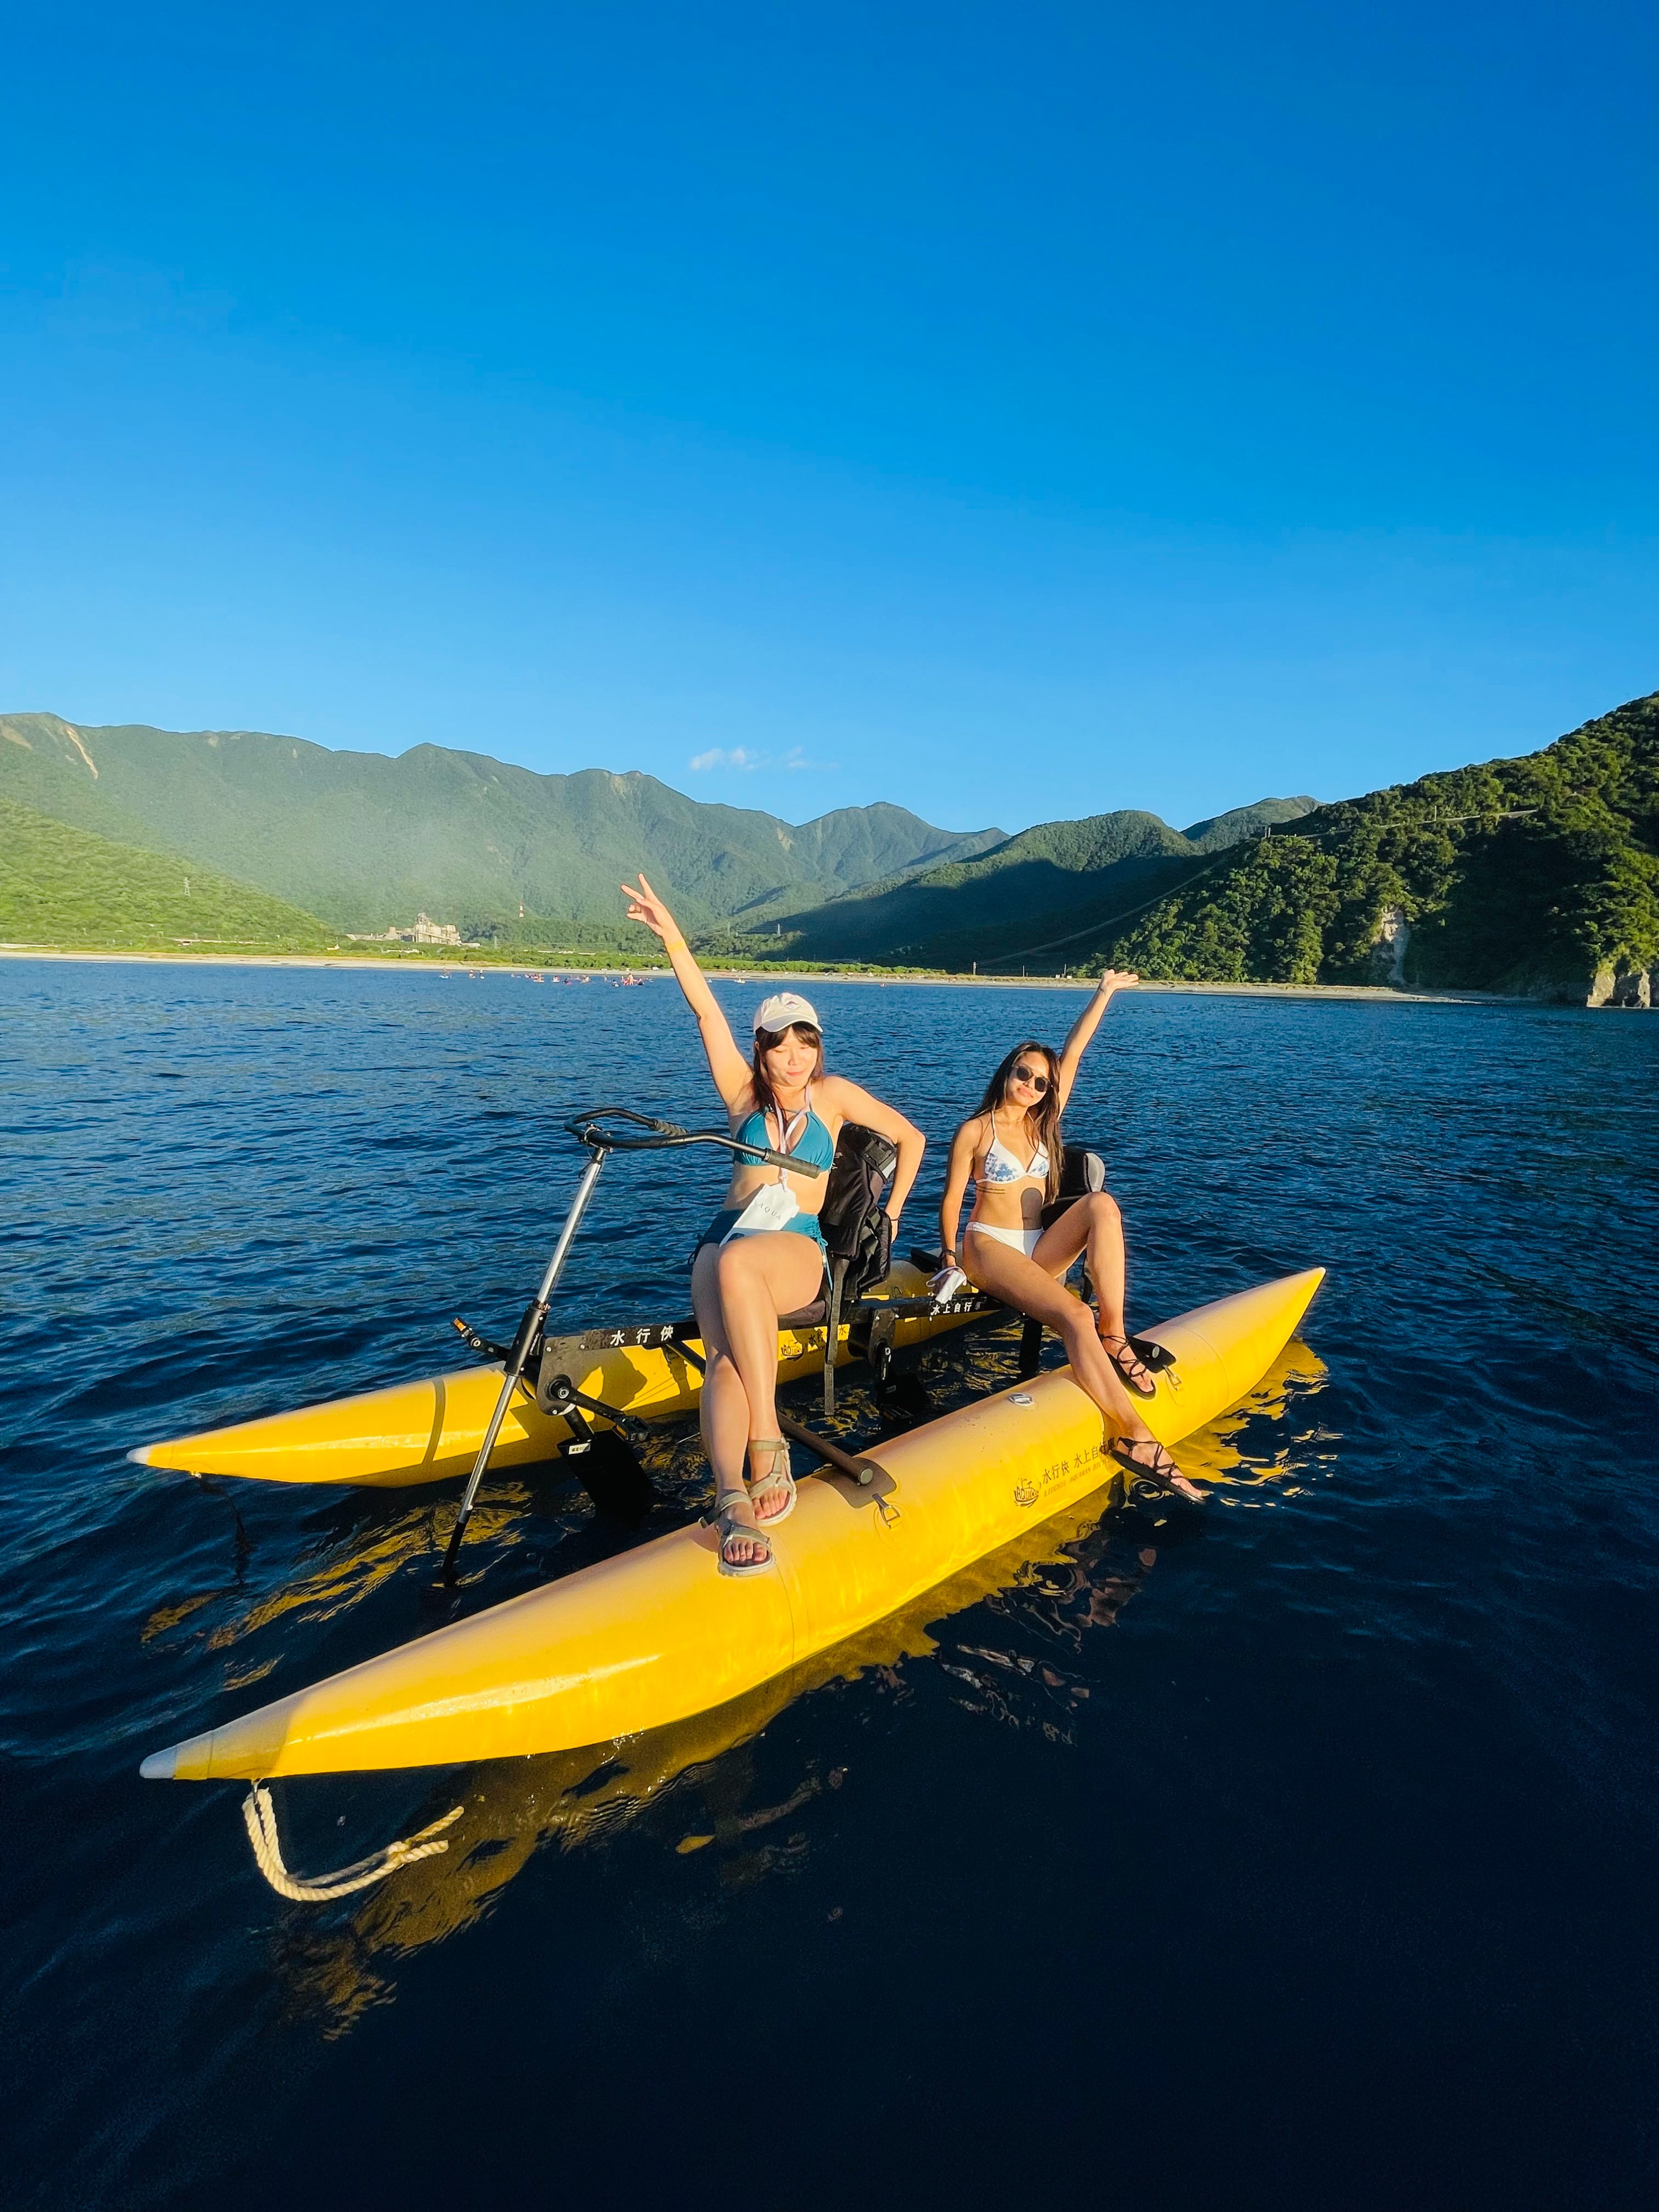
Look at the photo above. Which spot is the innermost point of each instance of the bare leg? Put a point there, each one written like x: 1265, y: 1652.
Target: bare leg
x: 1031, y: 1287
x: 723, y: 1417
x: 739, y: 1296
x: 1107, y: 1262
x: 761, y: 1276
x: 1095, y: 1225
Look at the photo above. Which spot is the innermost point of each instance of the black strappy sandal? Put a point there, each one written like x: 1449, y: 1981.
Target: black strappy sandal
x: 1160, y: 1470
x: 1133, y: 1357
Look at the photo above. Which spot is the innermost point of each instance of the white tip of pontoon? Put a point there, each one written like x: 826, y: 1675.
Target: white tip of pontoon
x: 140, y: 1455
x: 160, y: 1765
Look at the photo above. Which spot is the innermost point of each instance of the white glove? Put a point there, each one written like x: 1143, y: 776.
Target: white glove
x: 947, y: 1283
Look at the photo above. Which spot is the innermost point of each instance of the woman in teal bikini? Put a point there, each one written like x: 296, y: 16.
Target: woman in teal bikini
x: 762, y: 1253
x: 1012, y: 1150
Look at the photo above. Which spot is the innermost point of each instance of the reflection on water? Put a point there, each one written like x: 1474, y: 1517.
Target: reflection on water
x: 362, y: 1551
x: 1039, y: 1596
x: 1310, y: 1823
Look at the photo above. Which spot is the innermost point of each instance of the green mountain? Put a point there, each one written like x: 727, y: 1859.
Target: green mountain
x: 1539, y: 875
x: 1223, y: 831
x: 62, y: 886
x: 979, y: 909
x: 367, y: 841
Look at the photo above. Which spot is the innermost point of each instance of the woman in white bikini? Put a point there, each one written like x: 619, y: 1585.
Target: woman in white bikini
x: 762, y: 1253
x: 1011, y: 1149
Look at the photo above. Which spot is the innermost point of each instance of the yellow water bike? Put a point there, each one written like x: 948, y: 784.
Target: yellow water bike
x: 655, y: 1635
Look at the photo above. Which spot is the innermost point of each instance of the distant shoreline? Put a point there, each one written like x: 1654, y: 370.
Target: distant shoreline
x: 446, y: 967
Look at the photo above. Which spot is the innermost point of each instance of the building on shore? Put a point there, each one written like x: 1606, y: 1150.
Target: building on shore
x: 425, y: 931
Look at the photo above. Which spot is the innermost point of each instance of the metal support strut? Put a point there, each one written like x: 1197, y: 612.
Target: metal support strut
x: 530, y: 1328
x: 588, y: 1128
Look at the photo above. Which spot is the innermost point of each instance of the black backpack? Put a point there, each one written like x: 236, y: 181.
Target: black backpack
x: 858, y: 1237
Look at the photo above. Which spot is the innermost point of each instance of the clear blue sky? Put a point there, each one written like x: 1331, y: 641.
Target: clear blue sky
x: 1011, y: 410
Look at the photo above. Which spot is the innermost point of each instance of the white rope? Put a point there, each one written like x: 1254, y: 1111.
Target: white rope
x: 260, y: 1815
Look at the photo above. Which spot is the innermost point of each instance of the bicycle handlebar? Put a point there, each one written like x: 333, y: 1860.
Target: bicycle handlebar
x: 668, y: 1136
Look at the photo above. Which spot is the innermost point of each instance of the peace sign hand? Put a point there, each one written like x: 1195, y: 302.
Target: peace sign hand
x: 644, y: 905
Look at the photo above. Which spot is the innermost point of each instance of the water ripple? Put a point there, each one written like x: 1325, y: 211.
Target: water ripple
x: 1348, y: 1788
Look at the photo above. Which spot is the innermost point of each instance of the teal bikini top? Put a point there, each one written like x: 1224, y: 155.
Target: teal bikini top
x: 805, y: 1137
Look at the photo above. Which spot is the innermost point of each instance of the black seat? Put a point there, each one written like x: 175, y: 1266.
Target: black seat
x: 1082, y: 1172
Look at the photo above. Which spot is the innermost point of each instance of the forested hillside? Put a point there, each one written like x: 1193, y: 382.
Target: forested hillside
x: 962, y: 910
x: 366, y: 841
x: 1537, y: 875
x: 61, y: 886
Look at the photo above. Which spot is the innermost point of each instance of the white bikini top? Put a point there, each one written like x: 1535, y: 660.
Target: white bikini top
x: 1001, y: 1166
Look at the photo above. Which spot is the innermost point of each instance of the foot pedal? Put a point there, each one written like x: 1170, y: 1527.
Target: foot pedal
x: 903, y: 1401
x: 1156, y: 1357
x: 613, y: 1477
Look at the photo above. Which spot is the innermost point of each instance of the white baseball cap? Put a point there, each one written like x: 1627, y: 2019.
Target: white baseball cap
x: 784, y: 1009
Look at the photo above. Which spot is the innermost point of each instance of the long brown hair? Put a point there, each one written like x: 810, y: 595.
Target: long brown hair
x: 1043, y: 1120
x: 766, y: 1040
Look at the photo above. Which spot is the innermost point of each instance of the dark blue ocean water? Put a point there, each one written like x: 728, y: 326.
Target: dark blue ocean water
x: 1304, y: 1858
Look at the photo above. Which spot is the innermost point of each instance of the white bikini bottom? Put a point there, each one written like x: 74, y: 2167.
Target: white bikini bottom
x: 1016, y: 1240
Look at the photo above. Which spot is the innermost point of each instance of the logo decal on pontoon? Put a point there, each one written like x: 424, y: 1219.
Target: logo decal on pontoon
x: 1025, y: 1494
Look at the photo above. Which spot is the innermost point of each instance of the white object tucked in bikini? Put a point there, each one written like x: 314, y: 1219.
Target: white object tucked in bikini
x: 1016, y: 1240
x: 774, y: 1206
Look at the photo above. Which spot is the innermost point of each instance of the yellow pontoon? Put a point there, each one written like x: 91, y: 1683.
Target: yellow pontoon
x: 430, y: 1430
x: 657, y: 1634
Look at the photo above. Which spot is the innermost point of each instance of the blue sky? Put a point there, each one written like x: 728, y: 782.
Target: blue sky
x: 1011, y: 412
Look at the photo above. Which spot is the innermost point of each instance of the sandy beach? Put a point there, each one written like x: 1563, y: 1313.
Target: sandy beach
x: 646, y: 973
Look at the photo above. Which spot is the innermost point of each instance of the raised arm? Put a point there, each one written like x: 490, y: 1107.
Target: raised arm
x: 731, y: 1070
x: 956, y: 1188
x: 1087, y: 1023
x: 857, y: 1104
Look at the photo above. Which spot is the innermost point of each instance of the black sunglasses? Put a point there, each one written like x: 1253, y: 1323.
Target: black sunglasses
x: 1023, y: 1074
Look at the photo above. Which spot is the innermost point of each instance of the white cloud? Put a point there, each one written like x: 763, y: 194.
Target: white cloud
x: 744, y: 757
x: 738, y: 757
